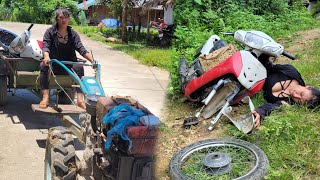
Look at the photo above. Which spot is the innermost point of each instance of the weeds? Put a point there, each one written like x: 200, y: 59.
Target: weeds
x: 149, y: 55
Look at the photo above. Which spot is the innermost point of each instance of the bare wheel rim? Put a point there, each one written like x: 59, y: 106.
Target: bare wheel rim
x: 247, y: 160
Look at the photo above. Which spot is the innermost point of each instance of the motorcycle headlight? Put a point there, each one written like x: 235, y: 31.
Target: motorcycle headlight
x: 271, y: 49
x: 255, y: 41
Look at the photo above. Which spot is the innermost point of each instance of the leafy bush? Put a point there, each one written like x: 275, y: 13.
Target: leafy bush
x: 5, y: 14
x: 142, y: 37
x: 36, y: 11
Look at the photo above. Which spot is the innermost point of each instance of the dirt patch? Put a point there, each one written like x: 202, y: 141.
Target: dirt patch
x: 216, y: 57
x: 174, y: 136
x: 297, y: 43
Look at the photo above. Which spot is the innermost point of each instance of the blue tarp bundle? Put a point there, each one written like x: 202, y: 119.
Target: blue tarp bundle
x: 111, y: 23
x: 126, y: 115
x: 89, y: 3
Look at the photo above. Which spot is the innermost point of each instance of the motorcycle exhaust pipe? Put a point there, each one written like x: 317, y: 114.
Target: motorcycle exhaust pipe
x: 183, y: 71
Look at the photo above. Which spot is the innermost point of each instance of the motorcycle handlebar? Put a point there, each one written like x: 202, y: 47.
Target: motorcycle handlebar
x: 288, y: 55
x: 228, y: 33
x: 30, y: 27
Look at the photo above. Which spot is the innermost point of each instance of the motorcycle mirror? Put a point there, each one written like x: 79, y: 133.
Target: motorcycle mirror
x: 30, y: 27
x: 228, y: 33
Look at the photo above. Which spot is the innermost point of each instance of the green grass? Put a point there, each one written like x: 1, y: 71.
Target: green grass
x: 148, y: 55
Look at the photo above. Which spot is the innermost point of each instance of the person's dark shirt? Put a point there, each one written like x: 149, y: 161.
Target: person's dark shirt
x: 277, y: 73
x: 60, y: 51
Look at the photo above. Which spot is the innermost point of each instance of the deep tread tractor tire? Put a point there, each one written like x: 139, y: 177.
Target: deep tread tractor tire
x: 3, y: 90
x: 258, y: 171
x: 60, y: 159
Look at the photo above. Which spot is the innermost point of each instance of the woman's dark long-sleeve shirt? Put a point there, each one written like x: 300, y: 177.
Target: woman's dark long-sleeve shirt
x: 59, y: 51
x: 277, y: 73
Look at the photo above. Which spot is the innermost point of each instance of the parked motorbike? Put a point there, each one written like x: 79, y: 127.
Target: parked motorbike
x: 242, y: 74
x: 21, y: 46
x: 166, y: 34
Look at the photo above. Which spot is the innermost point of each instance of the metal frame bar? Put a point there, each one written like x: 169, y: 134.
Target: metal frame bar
x: 73, y: 126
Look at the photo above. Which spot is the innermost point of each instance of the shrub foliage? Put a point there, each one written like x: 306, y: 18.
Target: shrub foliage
x: 35, y: 11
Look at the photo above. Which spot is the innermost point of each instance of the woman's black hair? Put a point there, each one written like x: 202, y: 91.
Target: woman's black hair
x: 63, y: 11
x: 315, y: 101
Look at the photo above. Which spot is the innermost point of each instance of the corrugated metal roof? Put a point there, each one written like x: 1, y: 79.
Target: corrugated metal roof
x: 89, y: 3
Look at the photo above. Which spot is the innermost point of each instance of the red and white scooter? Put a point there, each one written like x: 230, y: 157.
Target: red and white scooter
x: 21, y: 46
x: 242, y: 74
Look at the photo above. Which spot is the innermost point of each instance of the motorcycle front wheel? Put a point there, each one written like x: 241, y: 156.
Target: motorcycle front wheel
x: 219, y: 159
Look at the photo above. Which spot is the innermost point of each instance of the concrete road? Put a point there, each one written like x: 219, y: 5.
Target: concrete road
x: 23, y: 132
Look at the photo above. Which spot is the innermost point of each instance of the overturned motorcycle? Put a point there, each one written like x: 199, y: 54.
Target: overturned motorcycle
x: 220, y: 76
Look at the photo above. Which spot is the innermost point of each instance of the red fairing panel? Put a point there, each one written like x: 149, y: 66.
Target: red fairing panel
x: 256, y: 88
x: 232, y: 65
x: 250, y: 92
x: 40, y: 44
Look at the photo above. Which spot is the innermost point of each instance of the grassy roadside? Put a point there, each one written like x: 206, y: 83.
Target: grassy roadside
x: 148, y: 55
x: 289, y: 136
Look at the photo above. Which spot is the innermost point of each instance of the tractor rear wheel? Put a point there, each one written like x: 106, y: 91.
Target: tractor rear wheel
x: 60, y: 158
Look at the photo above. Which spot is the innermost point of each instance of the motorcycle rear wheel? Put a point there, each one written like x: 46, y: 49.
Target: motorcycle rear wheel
x: 248, y: 161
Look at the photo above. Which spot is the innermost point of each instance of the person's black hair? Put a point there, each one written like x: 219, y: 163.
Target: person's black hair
x: 315, y: 101
x: 63, y: 11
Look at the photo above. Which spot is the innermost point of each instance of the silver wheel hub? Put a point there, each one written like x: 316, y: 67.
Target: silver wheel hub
x: 217, y: 163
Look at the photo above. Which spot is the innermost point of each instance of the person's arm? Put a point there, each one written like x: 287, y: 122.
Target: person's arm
x: 46, y: 45
x: 264, y: 110
x: 88, y: 56
x: 80, y: 48
x: 46, y: 58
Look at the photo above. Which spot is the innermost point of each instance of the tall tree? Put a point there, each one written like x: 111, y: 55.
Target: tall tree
x: 124, y: 33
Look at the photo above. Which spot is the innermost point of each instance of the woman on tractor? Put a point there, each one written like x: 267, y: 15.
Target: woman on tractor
x: 61, y: 42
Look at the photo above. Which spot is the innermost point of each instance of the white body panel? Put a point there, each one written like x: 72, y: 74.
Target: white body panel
x: 259, y: 41
x: 209, y: 44
x: 19, y: 43
x: 32, y: 50
x: 24, y: 47
x: 252, y: 70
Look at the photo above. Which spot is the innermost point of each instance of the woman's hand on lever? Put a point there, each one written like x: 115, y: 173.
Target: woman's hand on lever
x: 89, y: 57
x: 46, y: 58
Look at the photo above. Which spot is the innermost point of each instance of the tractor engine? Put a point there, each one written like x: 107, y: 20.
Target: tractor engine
x: 123, y: 159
